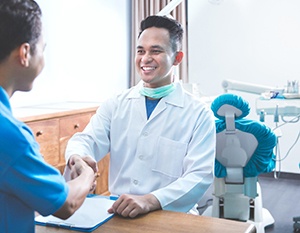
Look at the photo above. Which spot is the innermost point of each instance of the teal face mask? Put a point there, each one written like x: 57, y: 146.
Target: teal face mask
x: 157, y: 93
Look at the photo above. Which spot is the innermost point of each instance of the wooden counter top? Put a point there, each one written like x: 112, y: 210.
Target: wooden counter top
x: 50, y: 110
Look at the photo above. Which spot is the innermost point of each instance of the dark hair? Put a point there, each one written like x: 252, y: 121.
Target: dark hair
x: 20, y: 22
x: 174, y: 28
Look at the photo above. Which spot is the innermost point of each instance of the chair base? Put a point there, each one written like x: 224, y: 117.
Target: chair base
x: 267, y: 219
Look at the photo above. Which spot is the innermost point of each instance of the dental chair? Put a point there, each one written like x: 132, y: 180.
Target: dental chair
x: 244, y: 149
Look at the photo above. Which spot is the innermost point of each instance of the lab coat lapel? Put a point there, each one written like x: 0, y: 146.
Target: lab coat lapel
x: 142, y: 108
x: 160, y: 107
x: 139, y: 101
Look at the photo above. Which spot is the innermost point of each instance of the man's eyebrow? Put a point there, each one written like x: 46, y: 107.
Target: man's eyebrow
x: 157, y: 47
x: 152, y: 47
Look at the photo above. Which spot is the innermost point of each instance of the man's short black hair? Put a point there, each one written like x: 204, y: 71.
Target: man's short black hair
x: 175, y: 29
x: 20, y: 22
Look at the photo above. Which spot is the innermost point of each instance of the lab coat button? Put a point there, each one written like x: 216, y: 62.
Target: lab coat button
x: 145, y: 134
x: 141, y: 157
x: 135, y: 182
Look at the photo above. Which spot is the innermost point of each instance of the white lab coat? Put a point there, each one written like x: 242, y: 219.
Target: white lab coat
x: 170, y: 155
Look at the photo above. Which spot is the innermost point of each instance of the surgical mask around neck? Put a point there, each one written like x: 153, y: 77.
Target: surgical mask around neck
x: 157, y: 93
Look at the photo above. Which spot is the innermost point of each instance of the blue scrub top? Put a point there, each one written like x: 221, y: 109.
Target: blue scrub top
x: 27, y: 182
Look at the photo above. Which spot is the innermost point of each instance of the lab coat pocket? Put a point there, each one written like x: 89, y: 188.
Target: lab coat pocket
x: 169, y: 157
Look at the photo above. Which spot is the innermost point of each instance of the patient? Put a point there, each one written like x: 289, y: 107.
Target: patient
x: 27, y: 182
x: 161, y: 139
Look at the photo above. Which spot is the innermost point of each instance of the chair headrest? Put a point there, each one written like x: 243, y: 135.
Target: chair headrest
x: 262, y: 158
x: 230, y: 103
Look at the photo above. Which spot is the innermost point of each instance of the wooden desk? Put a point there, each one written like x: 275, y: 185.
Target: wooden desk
x: 165, y: 222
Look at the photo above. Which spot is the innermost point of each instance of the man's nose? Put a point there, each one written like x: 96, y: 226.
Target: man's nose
x: 147, y: 58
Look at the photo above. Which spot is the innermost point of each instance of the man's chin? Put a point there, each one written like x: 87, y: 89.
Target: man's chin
x: 25, y: 89
x: 148, y: 79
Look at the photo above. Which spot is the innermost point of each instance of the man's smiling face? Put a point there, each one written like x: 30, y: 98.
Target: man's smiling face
x: 154, y: 57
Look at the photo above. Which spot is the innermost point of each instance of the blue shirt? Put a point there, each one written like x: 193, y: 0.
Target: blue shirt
x: 150, y: 105
x: 27, y: 182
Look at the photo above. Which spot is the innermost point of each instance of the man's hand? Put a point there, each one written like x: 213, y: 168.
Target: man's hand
x: 82, y: 182
x: 132, y: 205
x: 75, y: 163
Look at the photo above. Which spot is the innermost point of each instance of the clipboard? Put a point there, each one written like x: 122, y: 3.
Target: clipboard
x: 92, y: 214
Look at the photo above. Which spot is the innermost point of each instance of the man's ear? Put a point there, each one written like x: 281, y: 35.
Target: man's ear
x: 24, y: 54
x: 178, y: 58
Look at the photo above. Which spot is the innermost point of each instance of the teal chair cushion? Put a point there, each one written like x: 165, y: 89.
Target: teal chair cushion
x: 263, y: 158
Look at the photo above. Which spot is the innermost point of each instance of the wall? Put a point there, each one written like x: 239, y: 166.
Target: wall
x: 87, y: 52
x: 255, y: 41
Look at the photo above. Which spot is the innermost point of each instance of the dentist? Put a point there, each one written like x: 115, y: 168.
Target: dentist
x: 161, y: 139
